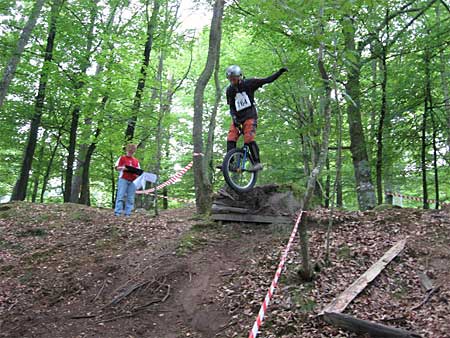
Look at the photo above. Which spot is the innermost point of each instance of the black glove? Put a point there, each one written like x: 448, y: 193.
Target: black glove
x: 235, y: 122
x: 283, y: 70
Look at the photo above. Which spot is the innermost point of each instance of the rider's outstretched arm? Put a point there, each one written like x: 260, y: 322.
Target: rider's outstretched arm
x: 257, y: 83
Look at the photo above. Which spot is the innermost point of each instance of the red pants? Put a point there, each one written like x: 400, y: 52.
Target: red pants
x: 248, y: 129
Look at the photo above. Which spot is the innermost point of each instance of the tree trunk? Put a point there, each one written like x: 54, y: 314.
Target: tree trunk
x: 325, y: 104
x: 328, y: 184
x: 20, y: 188
x: 151, y: 27
x: 50, y: 166
x: 383, y: 112
x: 85, y: 63
x: 85, y: 197
x: 212, y: 121
x: 424, y: 130
x: 11, y: 65
x: 37, y: 171
x: 435, y: 159
x: 203, y: 187
x: 113, y: 178
x: 81, y: 158
x: 361, y: 165
x: 445, y: 75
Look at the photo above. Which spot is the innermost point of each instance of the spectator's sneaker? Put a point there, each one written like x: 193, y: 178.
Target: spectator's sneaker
x: 256, y: 167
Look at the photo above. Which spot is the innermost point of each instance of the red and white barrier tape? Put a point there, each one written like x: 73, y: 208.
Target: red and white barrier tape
x: 259, y: 319
x: 171, y: 180
x: 413, y: 198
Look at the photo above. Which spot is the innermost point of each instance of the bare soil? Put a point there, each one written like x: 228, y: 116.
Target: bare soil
x: 74, y: 271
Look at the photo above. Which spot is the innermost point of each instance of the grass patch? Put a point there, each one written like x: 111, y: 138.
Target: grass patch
x: 344, y: 252
x: 26, y: 277
x: 189, y: 242
x: 39, y: 256
x: 80, y: 215
x: 33, y: 232
x: 7, y: 245
x: 301, y: 300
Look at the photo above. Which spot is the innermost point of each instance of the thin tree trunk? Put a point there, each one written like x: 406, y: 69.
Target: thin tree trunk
x: 338, y: 182
x: 50, y: 166
x: 364, y: 187
x: 81, y: 158
x: 20, y: 188
x: 424, y: 130
x: 435, y: 158
x: 164, y: 107
x: 113, y: 178
x: 445, y: 75
x: 85, y: 63
x: 328, y: 184
x: 212, y: 120
x: 85, y: 197
x: 326, y: 107
x: 203, y: 187
x: 11, y: 65
x: 380, y: 132
x: 151, y: 27
x: 37, y: 171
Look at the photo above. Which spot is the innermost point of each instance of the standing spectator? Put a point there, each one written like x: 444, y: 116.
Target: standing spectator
x: 125, y: 187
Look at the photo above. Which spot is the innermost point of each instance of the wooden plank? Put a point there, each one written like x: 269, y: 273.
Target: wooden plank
x: 252, y: 218
x: 224, y: 209
x: 340, y: 303
x: 366, y: 327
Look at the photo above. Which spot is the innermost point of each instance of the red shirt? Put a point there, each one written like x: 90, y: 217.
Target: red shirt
x: 127, y: 160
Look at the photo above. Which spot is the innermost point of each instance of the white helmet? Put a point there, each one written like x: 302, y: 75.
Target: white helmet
x: 233, y: 70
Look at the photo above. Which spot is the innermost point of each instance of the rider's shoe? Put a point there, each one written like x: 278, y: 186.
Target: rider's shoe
x: 219, y: 167
x: 256, y: 167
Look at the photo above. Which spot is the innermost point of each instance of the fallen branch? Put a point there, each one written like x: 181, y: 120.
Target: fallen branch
x: 340, y: 303
x: 127, y: 292
x: 82, y: 316
x: 427, y: 298
x: 155, y: 301
x: 100, y: 291
x: 366, y: 327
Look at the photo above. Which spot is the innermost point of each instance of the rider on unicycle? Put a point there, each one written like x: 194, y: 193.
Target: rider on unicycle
x: 241, y: 99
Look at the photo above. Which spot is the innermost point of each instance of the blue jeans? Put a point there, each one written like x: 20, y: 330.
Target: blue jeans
x: 125, y: 195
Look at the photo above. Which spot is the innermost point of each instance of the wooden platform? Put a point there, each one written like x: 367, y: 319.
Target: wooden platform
x: 265, y: 204
x: 248, y: 218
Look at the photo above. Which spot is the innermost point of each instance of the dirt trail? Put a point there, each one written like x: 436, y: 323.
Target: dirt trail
x: 71, y: 271
x: 69, y: 292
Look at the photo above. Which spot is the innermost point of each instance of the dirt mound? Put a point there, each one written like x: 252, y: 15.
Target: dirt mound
x: 262, y: 200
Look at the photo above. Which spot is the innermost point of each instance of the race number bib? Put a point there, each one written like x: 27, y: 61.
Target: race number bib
x: 242, y: 101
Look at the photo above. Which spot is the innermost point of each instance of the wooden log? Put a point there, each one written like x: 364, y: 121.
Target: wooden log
x: 340, y: 303
x: 366, y: 327
x: 425, y: 281
x: 252, y: 218
x: 223, y: 209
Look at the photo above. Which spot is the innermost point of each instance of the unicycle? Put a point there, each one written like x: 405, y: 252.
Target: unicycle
x: 235, y: 169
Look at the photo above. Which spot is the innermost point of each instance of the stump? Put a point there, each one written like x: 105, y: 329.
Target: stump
x: 264, y: 204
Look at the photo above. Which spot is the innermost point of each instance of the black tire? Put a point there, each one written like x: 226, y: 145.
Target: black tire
x: 229, y: 175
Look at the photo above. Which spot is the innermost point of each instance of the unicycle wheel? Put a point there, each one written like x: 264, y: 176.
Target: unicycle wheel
x: 235, y: 171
